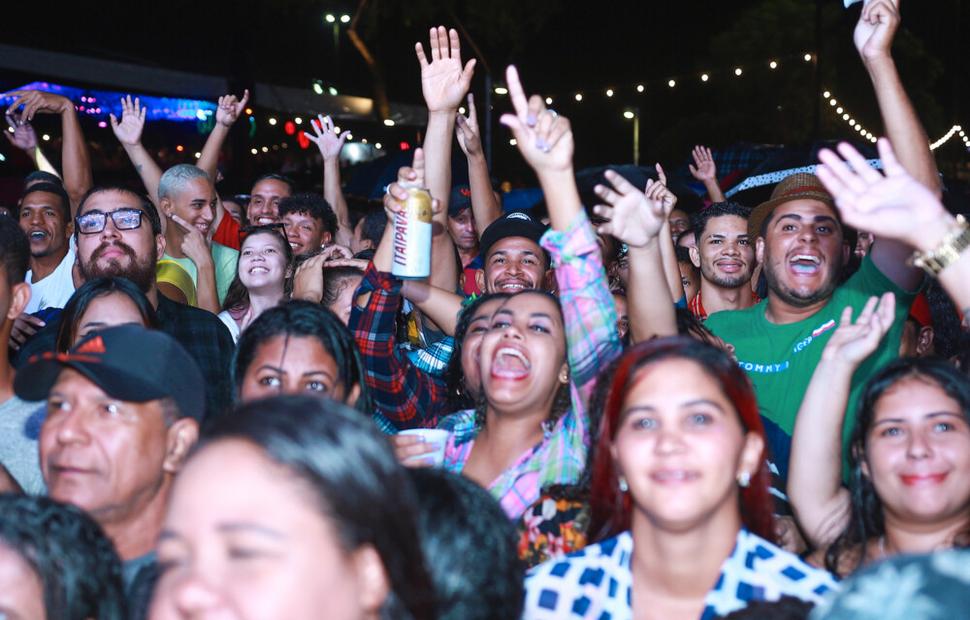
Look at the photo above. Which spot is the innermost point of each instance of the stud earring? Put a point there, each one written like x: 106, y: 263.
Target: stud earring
x: 624, y: 487
x: 744, y: 479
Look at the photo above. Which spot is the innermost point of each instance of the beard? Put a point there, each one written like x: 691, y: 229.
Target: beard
x: 800, y: 299
x: 140, y: 272
x: 730, y: 282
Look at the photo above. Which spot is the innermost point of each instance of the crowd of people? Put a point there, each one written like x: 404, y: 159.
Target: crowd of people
x: 216, y: 407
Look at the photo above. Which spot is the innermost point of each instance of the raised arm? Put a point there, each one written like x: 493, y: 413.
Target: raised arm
x: 25, y: 138
x: 444, y: 82
x: 330, y: 145
x: 873, y: 38
x: 637, y: 219
x: 485, y: 205
x: 705, y: 171
x: 820, y: 502
x: 896, y: 207
x: 668, y: 253
x: 128, y: 131
x: 227, y: 113
x: 75, y: 160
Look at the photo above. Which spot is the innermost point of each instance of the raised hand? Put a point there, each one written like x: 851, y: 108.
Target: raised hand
x: 128, y: 131
x: 230, y: 108
x: 469, y: 137
x: 703, y: 168
x: 194, y: 243
x: 308, y: 281
x: 326, y: 139
x: 444, y: 81
x: 894, y: 206
x: 543, y: 137
x: 877, y: 25
x: 35, y: 101
x: 854, y: 342
x: 412, y: 176
x: 658, y: 190
x: 633, y: 218
x: 23, y: 137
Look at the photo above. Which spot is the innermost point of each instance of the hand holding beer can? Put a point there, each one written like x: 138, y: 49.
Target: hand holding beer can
x: 412, y: 235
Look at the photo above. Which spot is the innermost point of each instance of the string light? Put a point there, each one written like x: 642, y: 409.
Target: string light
x: 639, y: 88
x: 513, y: 141
x: 388, y: 122
x: 272, y: 120
x: 45, y: 138
x: 265, y: 149
x: 501, y: 90
x: 609, y: 92
x: 378, y: 146
x: 548, y: 100
x: 955, y: 130
x: 298, y: 120
x: 672, y: 83
x: 848, y: 118
x: 579, y: 96
x: 198, y: 154
x: 253, y: 151
x: 628, y: 115
x: 705, y: 77
x: 773, y: 64
x: 807, y: 57
x: 738, y: 72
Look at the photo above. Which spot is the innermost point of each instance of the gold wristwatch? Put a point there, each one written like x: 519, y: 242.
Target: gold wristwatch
x: 947, y: 253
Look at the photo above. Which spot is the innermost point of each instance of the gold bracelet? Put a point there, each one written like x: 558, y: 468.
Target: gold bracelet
x: 945, y: 254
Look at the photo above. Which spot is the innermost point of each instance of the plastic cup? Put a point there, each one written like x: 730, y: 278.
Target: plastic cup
x: 433, y: 437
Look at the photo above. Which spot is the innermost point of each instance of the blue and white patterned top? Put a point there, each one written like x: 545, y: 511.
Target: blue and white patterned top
x: 595, y: 583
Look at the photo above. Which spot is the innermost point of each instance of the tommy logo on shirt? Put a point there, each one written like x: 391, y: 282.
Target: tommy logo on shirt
x: 770, y: 367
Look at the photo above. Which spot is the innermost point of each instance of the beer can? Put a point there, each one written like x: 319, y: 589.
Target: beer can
x: 412, y: 236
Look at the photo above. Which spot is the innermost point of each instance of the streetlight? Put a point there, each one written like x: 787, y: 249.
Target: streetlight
x: 335, y: 21
x: 634, y: 115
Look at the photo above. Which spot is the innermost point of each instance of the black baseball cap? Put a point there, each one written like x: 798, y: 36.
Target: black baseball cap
x: 129, y: 362
x: 512, y: 224
x: 460, y: 199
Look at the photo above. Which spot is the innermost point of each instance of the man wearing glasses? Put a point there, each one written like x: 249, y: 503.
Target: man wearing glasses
x: 119, y: 234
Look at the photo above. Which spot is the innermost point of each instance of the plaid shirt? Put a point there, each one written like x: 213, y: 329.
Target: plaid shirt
x: 592, y: 342
x: 207, y: 340
x: 405, y: 395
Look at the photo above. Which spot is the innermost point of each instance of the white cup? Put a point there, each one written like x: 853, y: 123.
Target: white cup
x: 433, y: 437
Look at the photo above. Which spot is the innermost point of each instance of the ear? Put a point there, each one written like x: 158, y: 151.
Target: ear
x: 165, y: 204
x: 461, y: 280
x: 551, y: 283
x: 924, y: 341
x: 695, y: 256
x: 19, y: 298
x: 752, y: 454
x: 69, y: 229
x: 181, y: 436
x: 564, y: 374
x: 847, y: 253
x: 372, y: 581
x: 352, y: 395
x: 480, y: 280
x: 759, y: 250
x: 160, y: 245
x: 326, y: 238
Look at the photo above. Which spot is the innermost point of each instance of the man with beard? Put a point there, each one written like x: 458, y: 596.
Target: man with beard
x: 118, y: 234
x: 725, y: 255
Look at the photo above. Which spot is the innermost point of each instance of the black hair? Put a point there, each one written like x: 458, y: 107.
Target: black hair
x: 143, y: 203
x: 313, y: 205
x: 276, y: 177
x: 333, y: 282
x: 237, y: 297
x: 76, y: 564
x: 785, y: 608
x: 866, y: 519
x: 42, y: 176
x: 470, y: 548
x: 683, y: 255
x: 375, y: 220
x: 458, y: 398
x: 304, y: 319
x: 946, y: 322
x: 14, y: 251
x: 88, y: 292
x: 699, y: 220
x: 355, y: 481
x: 51, y: 188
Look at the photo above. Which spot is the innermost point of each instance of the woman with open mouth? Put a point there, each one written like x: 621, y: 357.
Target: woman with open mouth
x: 680, y: 500
x: 908, y: 454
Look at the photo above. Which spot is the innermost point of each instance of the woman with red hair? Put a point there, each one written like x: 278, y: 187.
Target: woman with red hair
x: 680, y: 499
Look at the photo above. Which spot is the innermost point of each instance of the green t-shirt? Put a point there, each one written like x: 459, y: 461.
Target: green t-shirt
x: 223, y: 259
x: 780, y: 359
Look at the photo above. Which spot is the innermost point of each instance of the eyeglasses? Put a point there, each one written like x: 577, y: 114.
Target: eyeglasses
x: 94, y: 221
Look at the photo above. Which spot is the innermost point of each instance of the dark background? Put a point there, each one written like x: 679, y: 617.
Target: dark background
x: 561, y: 48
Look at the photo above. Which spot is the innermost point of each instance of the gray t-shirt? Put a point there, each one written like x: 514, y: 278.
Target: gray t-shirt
x: 19, y: 429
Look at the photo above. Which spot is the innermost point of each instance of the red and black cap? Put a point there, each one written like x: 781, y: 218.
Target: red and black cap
x: 129, y: 362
